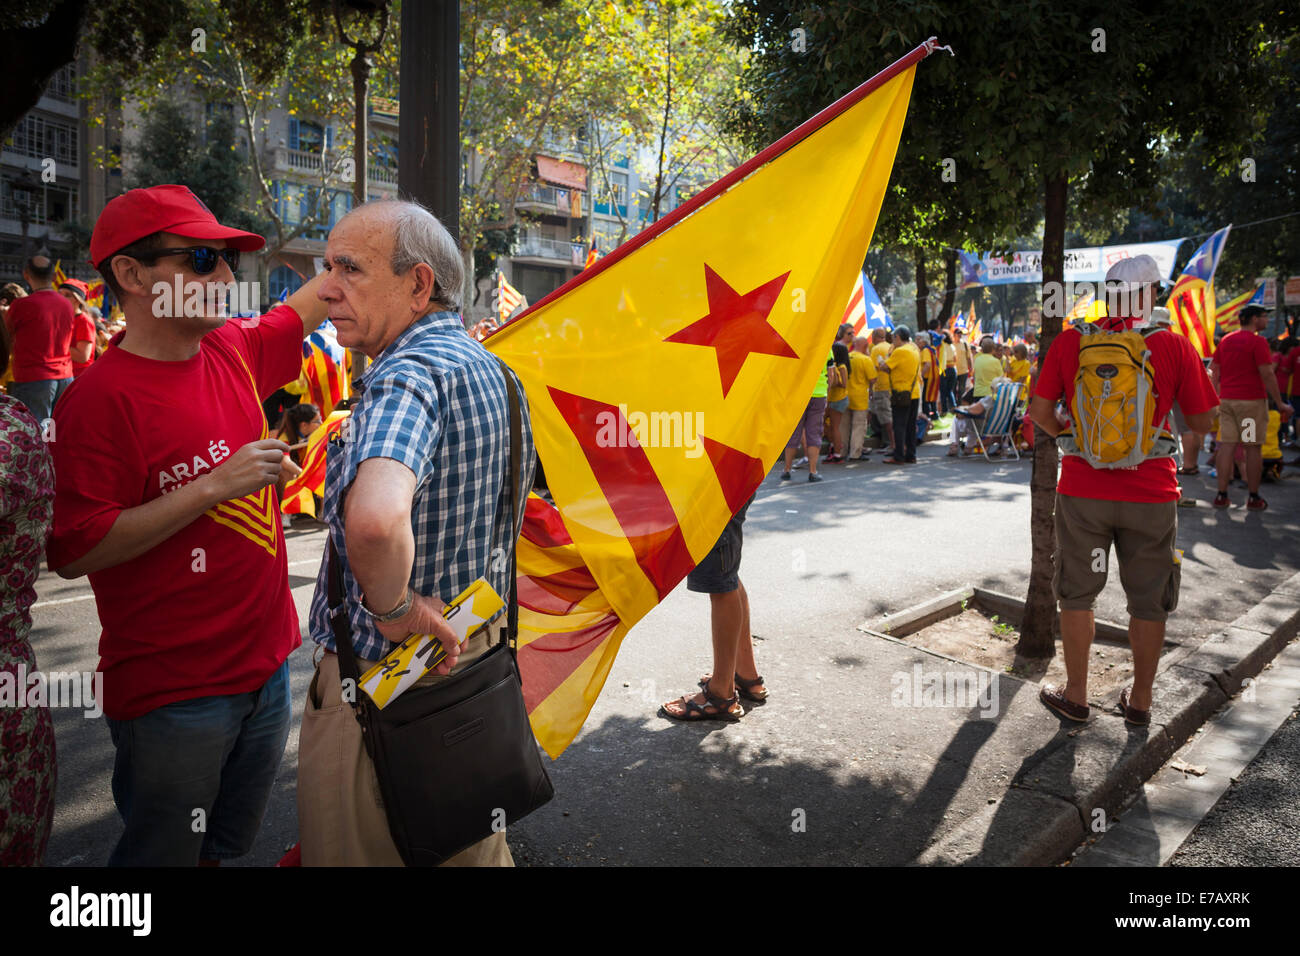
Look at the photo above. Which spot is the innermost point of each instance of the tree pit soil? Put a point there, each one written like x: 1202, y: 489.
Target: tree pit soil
x: 974, y: 638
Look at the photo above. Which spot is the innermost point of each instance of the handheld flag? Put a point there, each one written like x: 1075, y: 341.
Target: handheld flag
x: 310, y: 481
x: 324, y: 362
x: 865, y: 311
x: 508, y: 298
x: 1228, y: 316
x: 593, y: 255
x: 1191, y: 304
x: 665, y: 380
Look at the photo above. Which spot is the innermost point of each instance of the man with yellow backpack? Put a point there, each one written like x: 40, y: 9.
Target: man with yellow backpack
x: 1118, y: 483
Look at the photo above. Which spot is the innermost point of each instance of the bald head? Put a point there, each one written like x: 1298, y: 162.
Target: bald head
x: 877, y: 336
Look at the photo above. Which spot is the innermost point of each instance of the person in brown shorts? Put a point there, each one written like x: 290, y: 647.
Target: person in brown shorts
x: 1242, y: 373
x: 1135, y: 509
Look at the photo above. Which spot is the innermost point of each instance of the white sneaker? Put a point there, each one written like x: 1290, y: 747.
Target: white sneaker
x: 799, y: 462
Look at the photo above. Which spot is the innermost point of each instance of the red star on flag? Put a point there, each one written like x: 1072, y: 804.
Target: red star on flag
x: 736, y: 325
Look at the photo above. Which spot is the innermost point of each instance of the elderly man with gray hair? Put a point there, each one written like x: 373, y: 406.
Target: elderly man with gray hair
x: 417, y: 502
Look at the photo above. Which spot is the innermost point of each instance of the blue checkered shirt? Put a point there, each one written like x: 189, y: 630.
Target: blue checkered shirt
x: 435, y: 400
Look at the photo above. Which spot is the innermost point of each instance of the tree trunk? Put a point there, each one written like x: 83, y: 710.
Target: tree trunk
x: 950, y: 276
x: 922, y: 291
x: 1040, y: 624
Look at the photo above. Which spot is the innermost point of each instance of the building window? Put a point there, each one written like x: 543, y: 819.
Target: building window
x: 308, y: 137
x: 283, y: 281
x: 290, y: 199
x: 39, y: 137
x: 63, y: 84
x: 43, y: 204
x: 612, y: 195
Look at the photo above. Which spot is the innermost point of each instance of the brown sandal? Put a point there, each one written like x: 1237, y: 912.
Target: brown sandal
x: 1138, y: 718
x: 694, y: 710
x: 1054, y: 697
x: 743, y: 687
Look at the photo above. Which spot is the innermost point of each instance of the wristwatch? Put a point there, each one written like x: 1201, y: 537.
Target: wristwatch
x: 396, y: 612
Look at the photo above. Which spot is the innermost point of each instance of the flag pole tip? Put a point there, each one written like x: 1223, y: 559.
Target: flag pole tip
x: 932, y: 44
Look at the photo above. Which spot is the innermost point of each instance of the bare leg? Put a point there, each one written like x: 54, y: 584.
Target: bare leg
x: 1076, y: 642
x: 730, y: 622
x: 1254, y: 467
x: 789, y: 457
x: 813, y: 451
x: 1223, y: 463
x: 1146, y: 639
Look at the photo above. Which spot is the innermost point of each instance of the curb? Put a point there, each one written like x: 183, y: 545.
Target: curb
x: 1085, y: 777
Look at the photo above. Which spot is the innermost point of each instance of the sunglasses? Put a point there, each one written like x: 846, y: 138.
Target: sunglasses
x: 203, y: 259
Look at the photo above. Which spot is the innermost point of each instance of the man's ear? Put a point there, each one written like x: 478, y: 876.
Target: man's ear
x: 131, y: 277
x: 422, y: 290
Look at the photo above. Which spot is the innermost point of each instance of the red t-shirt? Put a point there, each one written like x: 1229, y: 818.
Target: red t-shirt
x: 1290, y: 371
x: 1178, y: 376
x: 83, y: 330
x: 1239, y: 356
x: 42, y: 336
x: 208, y: 611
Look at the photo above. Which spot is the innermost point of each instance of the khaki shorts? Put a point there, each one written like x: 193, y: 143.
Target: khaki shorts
x: 341, y: 819
x: 879, y: 406
x: 1143, y: 534
x: 1243, y: 420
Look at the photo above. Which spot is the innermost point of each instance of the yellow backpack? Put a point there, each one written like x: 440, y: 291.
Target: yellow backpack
x: 1114, y: 401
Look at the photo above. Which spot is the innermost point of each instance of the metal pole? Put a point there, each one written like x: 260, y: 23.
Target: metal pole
x: 428, y: 163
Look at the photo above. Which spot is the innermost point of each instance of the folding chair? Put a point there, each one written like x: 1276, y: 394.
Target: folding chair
x: 999, y: 422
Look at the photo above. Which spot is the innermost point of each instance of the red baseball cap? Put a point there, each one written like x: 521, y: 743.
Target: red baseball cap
x: 76, y: 285
x: 142, y: 212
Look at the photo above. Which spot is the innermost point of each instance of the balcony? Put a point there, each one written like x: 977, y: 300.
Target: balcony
x: 550, y: 200
x: 309, y: 164
x: 553, y: 250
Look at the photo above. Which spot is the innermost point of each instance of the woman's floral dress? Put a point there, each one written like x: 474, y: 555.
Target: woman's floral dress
x: 27, y: 772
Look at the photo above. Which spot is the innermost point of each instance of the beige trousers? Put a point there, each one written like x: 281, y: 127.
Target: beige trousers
x: 341, y: 819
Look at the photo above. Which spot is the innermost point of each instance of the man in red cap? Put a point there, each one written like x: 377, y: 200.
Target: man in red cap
x: 163, y: 497
x: 83, y: 326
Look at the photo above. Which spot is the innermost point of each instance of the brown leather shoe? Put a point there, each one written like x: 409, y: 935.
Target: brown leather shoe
x: 1054, y: 697
x: 1138, y: 718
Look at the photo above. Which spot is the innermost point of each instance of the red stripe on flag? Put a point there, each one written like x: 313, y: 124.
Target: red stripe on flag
x: 738, y: 474
x: 551, y: 595
x: 634, y: 493
x: 546, y: 662
x: 543, y: 525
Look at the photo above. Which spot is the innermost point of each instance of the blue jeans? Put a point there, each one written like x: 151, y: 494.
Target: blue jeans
x: 217, y: 755
x: 39, y: 397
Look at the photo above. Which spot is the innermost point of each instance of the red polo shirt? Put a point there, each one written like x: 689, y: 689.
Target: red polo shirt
x: 1178, y: 376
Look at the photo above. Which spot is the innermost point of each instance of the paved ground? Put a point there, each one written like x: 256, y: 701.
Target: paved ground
x: 1257, y: 822
x: 829, y: 771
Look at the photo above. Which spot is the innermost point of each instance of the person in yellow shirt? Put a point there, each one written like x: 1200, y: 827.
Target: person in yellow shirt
x: 948, y: 374
x: 963, y: 359
x: 880, y: 409
x: 904, y: 368
x: 861, y: 376
x: 837, y: 393
x: 1018, y: 369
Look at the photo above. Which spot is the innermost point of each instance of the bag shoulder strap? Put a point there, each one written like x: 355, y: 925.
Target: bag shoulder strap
x: 511, y: 632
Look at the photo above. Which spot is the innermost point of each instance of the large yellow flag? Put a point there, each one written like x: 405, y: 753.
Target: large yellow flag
x: 665, y: 380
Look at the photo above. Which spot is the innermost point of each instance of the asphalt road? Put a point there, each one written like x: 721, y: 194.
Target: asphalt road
x: 819, y: 560
x: 1257, y: 821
